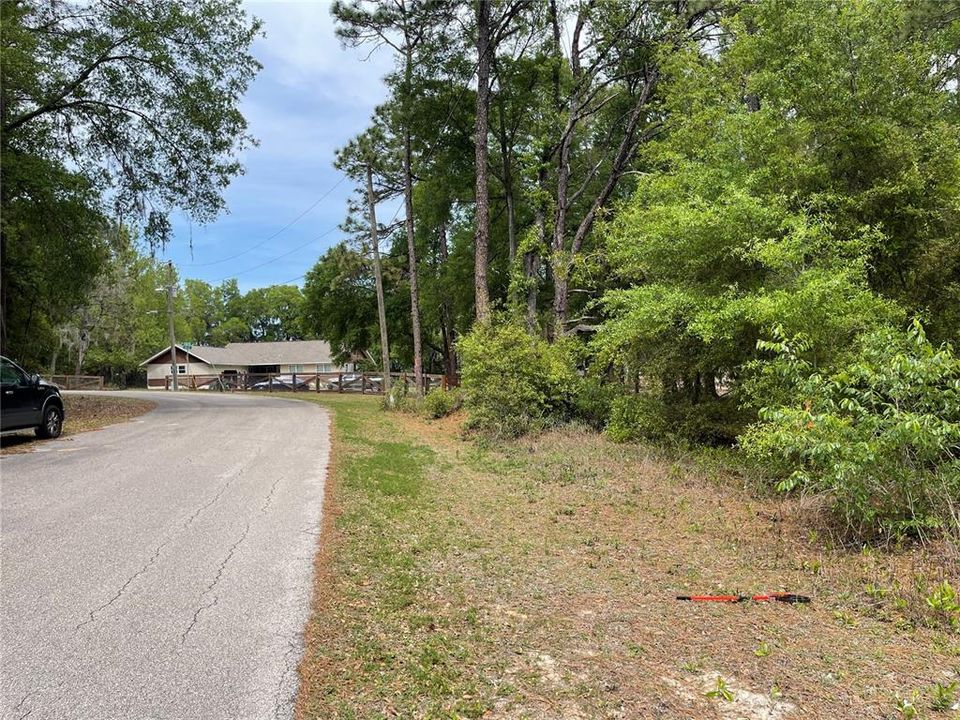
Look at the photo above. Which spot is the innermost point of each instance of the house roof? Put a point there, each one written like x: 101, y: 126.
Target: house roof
x: 292, y: 352
x: 164, y: 350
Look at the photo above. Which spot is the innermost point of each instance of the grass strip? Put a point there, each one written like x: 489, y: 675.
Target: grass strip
x: 535, y: 579
x: 384, y: 640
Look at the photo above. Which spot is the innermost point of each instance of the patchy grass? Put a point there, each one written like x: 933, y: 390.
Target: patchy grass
x: 535, y: 579
x: 83, y: 413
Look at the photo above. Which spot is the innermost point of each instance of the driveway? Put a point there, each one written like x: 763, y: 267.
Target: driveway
x: 162, y: 568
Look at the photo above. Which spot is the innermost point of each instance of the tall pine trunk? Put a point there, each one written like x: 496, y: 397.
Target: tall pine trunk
x: 378, y: 276
x: 506, y: 158
x: 412, y: 253
x: 408, y: 208
x: 446, y: 320
x: 482, y: 218
x: 559, y: 257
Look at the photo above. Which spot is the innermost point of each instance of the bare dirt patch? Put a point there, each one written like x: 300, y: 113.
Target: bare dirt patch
x: 536, y: 579
x: 83, y: 413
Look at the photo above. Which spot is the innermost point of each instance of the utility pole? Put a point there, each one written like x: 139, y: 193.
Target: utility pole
x: 173, y: 338
x: 378, y: 276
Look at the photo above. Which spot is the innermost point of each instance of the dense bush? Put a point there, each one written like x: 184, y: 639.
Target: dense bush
x: 593, y: 401
x: 675, y: 420
x: 636, y: 417
x: 514, y: 382
x: 439, y: 403
x: 880, y: 437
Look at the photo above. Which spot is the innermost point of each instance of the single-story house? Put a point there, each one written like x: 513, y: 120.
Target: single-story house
x: 204, y: 362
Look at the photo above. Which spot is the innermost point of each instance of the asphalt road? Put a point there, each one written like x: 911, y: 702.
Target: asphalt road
x: 162, y: 568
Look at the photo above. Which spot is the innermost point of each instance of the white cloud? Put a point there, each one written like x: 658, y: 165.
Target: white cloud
x: 310, y: 98
x: 304, y: 53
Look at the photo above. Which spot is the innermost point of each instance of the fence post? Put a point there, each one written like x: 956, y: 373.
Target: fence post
x: 166, y: 382
x: 294, y: 382
x: 363, y: 383
x: 316, y: 380
x: 269, y: 382
x: 340, y: 382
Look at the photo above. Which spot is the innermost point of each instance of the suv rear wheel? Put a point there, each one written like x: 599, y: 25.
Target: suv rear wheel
x: 52, y: 424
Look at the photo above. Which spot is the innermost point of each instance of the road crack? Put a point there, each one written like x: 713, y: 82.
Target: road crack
x: 128, y: 583
x: 220, y: 491
x: 269, y: 499
x: 196, y: 617
x: 293, y: 646
x: 232, y: 475
x: 214, y: 583
x: 19, y: 705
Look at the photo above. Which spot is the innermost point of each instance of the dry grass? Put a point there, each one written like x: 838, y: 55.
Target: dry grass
x: 83, y: 413
x: 536, y: 580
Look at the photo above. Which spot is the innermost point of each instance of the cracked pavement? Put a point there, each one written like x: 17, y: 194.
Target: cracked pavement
x: 162, y: 568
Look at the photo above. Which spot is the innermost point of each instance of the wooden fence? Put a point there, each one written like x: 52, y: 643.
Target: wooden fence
x: 363, y: 383
x: 78, y: 382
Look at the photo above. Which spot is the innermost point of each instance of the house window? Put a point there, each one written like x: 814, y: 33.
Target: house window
x: 296, y: 368
x: 181, y: 369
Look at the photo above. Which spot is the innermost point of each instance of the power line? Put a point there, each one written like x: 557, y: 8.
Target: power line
x: 169, y: 290
x: 280, y: 257
x: 277, y: 233
x: 428, y: 156
x: 293, y: 280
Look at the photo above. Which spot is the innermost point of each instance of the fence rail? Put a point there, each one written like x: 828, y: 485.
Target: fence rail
x: 78, y: 382
x: 363, y: 383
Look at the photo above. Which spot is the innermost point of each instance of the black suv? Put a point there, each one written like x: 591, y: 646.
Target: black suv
x: 26, y: 401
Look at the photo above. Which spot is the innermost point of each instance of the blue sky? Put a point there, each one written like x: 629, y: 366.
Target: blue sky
x: 310, y: 98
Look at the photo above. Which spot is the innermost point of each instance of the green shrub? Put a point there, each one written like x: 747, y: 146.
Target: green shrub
x: 636, y: 417
x: 673, y: 419
x: 715, y: 422
x: 439, y: 403
x: 945, y: 601
x: 514, y: 382
x: 593, y: 401
x: 880, y: 437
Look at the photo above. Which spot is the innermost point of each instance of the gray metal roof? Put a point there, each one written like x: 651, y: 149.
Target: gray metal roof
x: 292, y: 352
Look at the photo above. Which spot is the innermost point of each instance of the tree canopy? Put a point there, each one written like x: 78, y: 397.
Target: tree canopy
x: 713, y: 211
x: 110, y: 110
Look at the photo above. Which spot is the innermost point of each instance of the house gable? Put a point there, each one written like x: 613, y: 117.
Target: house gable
x: 163, y: 357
